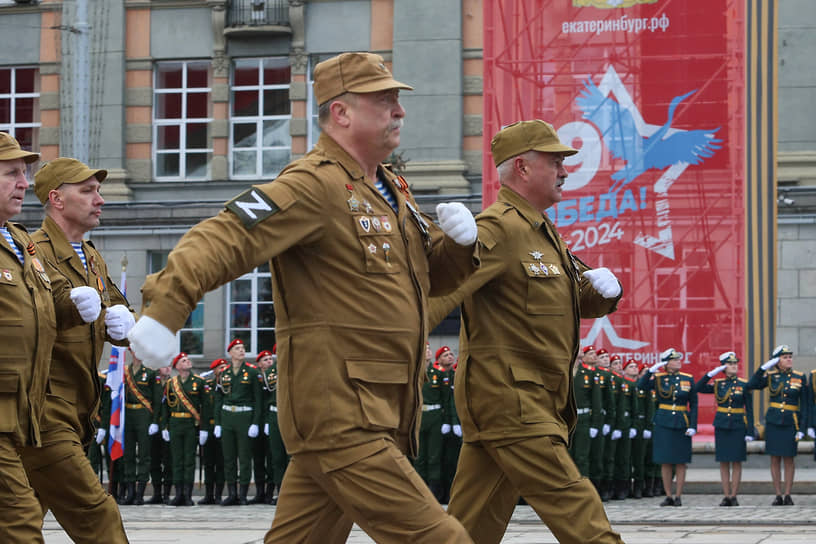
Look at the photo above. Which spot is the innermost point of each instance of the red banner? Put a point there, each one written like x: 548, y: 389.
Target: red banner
x: 652, y: 94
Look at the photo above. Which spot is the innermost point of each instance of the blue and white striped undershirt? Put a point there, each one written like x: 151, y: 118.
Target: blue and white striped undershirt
x: 78, y: 248
x: 386, y: 193
x: 10, y: 240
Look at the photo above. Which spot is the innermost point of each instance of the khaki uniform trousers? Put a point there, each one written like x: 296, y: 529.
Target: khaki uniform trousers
x: 21, y: 513
x: 65, y: 482
x: 381, y: 493
x: 490, y: 479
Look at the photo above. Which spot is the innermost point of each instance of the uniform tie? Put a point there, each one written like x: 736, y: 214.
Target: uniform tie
x: 10, y: 240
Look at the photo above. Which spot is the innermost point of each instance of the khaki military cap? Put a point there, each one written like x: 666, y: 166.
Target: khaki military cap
x: 353, y: 73
x: 10, y: 150
x: 526, y: 136
x: 63, y: 170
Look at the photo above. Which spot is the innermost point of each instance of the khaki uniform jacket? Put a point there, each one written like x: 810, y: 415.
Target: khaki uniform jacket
x: 31, y: 294
x: 73, y: 396
x: 350, y: 295
x: 520, y: 327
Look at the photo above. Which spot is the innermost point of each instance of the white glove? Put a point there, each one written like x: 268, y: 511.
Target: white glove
x: 217, y: 431
x: 604, y: 281
x: 166, y: 435
x: 119, y: 321
x: 716, y: 371
x: 457, y: 430
x: 770, y: 363
x: 87, y: 302
x: 266, y: 429
x: 152, y: 342
x: 616, y: 434
x: 647, y: 434
x: 691, y: 432
x: 811, y: 432
x: 749, y: 438
x: 657, y: 366
x: 100, y: 435
x: 632, y: 432
x: 800, y: 435
x: 605, y: 429
x: 202, y: 437
x: 253, y: 431
x: 593, y: 432
x: 457, y: 222
x: 153, y: 429
x: 446, y: 428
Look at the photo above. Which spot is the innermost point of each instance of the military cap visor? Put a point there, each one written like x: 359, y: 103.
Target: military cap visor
x: 63, y: 170
x: 781, y: 350
x: 10, y: 150
x: 353, y: 73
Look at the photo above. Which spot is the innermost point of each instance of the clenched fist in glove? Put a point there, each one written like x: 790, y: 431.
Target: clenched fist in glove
x: 647, y: 434
x: 166, y: 435
x: 457, y: 430
x: 118, y: 321
x: 691, y: 432
x: 217, y: 431
x: 593, y: 432
x: 616, y: 434
x: 87, y: 302
x: 253, y: 431
x: 604, y: 281
x: 100, y: 435
x: 202, y: 437
x: 153, y: 429
x: 632, y: 432
x: 456, y: 221
x: 152, y: 342
x: 446, y: 428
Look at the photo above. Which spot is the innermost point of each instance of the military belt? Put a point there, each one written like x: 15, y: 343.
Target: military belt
x: 181, y: 414
x: 783, y: 406
x: 730, y: 410
x: 672, y: 407
x: 273, y: 408
x: 134, y: 406
x: 582, y: 411
x: 429, y: 407
x: 231, y: 408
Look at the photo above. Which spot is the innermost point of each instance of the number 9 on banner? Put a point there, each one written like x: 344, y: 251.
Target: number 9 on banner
x: 588, y: 156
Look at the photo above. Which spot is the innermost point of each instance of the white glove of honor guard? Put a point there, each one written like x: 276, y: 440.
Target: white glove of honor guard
x: 657, y: 366
x: 152, y: 429
x: 605, y: 429
x: 593, y: 432
x: 119, y: 321
x: 811, y: 432
x: 217, y: 431
x: 457, y: 430
x: 445, y: 428
x: 152, y: 342
x: 166, y: 435
x: 604, y: 281
x: 202, y: 437
x: 691, y: 432
x: 647, y: 434
x: 800, y: 435
x: 616, y: 434
x: 87, y: 302
x: 716, y: 371
x: 253, y: 431
x: 769, y: 364
x: 266, y: 429
x: 632, y: 432
x: 100, y: 435
x: 457, y: 222
x: 749, y: 438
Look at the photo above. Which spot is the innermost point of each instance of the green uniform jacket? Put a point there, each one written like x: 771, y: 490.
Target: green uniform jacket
x: 149, y: 384
x: 676, y: 398
x: 735, y: 406
x: 627, y: 404
x: 787, y: 395
x: 243, y: 388
x: 609, y: 396
x: 196, y: 390
x: 270, y: 386
x: 350, y: 295
x: 588, y: 394
x: 520, y: 326
x: 436, y: 389
x: 73, y: 398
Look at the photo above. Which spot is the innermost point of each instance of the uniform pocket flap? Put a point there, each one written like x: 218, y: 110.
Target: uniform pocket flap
x: 9, y: 383
x: 378, y: 371
x: 539, y: 376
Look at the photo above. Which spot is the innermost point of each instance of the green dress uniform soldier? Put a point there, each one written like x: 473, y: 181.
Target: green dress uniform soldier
x: 610, y: 433
x: 675, y: 420
x: 212, y: 457
x: 733, y: 422
x: 785, y: 417
x: 627, y: 425
x: 161, y: 463
x: 260, y: 444
x: 238, y: 411
x: 277, y: 458
x: 599, y: 450
x: 435, y: 398
x: 588, y: 402
x: 182, y: 423
x: 451, y: 427
x: 142, y: 410
x: 642, y: 482
x: 96, y: 450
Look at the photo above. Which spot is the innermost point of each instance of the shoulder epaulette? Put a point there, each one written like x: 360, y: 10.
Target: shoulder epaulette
x: 686, y: 374
x: 250, y: 365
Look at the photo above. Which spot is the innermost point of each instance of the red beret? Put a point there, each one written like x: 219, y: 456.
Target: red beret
x: 632, y: 362
x: 440, y: 351
x: 274, y: 349
x: 263, y: 354
x: 641, y: 366
x: 235, y: 343
x: 218, y: 362
x: 589, y: 348
x: 602, y: 351
x: 615, y: 358
x: 178, y: 357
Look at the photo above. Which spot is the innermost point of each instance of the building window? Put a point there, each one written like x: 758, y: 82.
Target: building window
x: 191, y: 335
x: 20, y: 105
x: 251, y: 314
x: 260, y: 142
x: 181, y: 121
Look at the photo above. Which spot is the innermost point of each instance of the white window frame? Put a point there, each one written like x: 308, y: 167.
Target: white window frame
x: 255, y: 277
x: 12, y: 126
x: 258, y: 119
x: 181, y: 123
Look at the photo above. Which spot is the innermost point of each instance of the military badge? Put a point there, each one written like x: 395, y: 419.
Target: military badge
x: 353, y: 204
x: 372, y: 248
x: 387, y: 251
x: 7, y: 274
x: 536, y: 255
x: 375, y: 224
x: 386, y: 224
x: 368, y: 207
x: 365, y: 222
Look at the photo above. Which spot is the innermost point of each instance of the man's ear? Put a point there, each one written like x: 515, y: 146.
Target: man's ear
x: 340, y: 112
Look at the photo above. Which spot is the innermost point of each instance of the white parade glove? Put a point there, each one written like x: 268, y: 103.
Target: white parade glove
x: 119, y: 321
x: 770, y: 363
x: 616, y: 434
x: 152, y: 342
x: 266, y: 429
x: 457, y: 222
x: 749, y: 438
x: 811, y: 432
x: 100, y: 435
x: 445, y: 428
x: 166, y: 435
x: 605, y: 429
x: 217, y: 431
x: 202, y: 437
x: 800, y: 435
x: 632, y: 432
x: 716, y: 371
x: 153, y: 429
x: 87, y: 302
x: 253, y: 431
x: 593, y: 432
x: 647, y: 434
x: 657, y: 366
x: 457, y: 430
x: 691, y: 432
x: 604, y: 281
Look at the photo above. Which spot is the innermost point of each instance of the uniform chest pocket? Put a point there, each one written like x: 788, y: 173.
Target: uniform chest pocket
x: 379, y: 252
x: 547, y: 288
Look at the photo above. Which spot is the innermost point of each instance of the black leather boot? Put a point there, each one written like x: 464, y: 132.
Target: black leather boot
x: 188, y: 495
x: 138, y: 498
x: 157, y: 494
x: 219, y: 490
x: 232, y: 496
x: 178, y: 500
x: 637, y: 489
x: 270, y: 493
x: 209, y: 498
x: 606, y: 486
x: 166, y: 494
x: 621, y: 490
x: 657, y: 489
x: 242, y: 500
x: 260, y: 494
x: 648, y: 487
x: 130, y: 492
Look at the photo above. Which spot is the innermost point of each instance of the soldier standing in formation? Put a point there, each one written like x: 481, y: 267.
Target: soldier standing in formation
x: 451, y: 429
x: 626, y: 425
x: 277, y: 458
x: 212, y: 457
x: 588, y: 402
x: 161, y: 465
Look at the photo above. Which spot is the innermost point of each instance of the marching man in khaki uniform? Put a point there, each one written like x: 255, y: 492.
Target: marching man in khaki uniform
x: 34, y: 298
x: 518, y: 340
x: 353, y: 264
x: 60, y: 471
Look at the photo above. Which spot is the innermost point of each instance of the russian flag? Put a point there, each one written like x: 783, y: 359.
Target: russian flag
x: 116, y: 369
